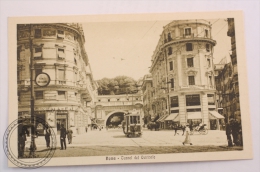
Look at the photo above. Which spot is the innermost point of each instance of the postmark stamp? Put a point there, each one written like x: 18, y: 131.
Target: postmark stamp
x: 21, y: 143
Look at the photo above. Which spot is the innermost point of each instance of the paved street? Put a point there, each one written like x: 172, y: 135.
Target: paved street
x: 115, y: 137
x: 114, y: 142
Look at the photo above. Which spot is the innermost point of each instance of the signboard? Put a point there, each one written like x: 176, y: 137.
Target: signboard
x: 42, y: 79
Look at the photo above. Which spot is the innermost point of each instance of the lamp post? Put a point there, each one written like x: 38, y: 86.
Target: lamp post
x: 33, y: 118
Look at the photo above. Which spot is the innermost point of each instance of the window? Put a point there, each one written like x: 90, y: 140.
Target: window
x: 210, y: 80
x: 188, y: 46
x: 61, y: 74
x: 191, y: 80
x: 18, y: 53
x: 172, y: 83
x: 207, y: 47
x: 194, y: 110
x: 136, y: 98
x: 38, y: 52
x: 209, y: 64
x: 169, y: 37
x: 190, y: 62
x: 108, y: 100
x: 38, y: 95
x: 206, y: 33
x: 187, y: 31
x: 193, y: 100
x: 18, y: 75
x: 61, y: 95
x: 76, y: 95
x: 211, y: 99
x: 61, y: 53
x: 60, y: 34
x: 117, y: 99
x: 38, y: 71
x: 174, y: 101
x: 174, y: 111
x: 169, y: 50
x: 99, y: 100
x: 171, y: 65
x: 37, y: 33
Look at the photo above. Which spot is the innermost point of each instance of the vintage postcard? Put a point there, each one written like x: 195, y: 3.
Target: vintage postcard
x: 132, y: 88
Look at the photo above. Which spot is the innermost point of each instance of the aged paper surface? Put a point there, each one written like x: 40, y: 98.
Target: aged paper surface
x: 153, y: 146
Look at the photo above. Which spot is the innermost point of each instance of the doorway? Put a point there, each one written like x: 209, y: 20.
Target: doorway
x: 59, y: 123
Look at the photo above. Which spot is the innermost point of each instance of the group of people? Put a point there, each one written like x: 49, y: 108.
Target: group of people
x: 233, y: 128
x: 63, y: 134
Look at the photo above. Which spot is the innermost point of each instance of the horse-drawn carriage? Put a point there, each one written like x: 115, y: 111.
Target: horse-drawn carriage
x: 132, y: 124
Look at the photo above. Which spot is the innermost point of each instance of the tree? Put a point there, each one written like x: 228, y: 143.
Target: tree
x: 116, y: 86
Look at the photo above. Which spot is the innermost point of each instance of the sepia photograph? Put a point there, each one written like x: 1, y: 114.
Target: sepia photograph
x: 143, y: 89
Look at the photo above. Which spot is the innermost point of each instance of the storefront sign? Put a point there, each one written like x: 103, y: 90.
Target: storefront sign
x: 42, y: 79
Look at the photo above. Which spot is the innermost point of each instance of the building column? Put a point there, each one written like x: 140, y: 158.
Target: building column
x: 204, y: 110
x: 202, y: 68
x: 182, y: 109
x: 179, y: 62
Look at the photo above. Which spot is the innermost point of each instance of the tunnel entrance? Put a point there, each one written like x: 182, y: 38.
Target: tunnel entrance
x: 115, y: 119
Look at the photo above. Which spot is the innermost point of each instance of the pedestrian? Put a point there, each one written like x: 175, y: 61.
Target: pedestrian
x: 63, y: 137
x: 228, y: 133
x: 22, y: 132
x: 69, y: 133
x: 235, y: 130
x: 47, y: 133
x: 187, y: 137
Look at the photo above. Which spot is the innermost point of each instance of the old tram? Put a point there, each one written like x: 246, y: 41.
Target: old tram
x: 132, y: 124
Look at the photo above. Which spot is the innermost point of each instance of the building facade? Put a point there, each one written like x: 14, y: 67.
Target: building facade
x: 147, y: 88
x: 183, y: 75
x: 235, y: 103
x: 57, y: 50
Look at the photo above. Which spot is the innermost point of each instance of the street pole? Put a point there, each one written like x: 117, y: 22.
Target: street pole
x: 33, y: 118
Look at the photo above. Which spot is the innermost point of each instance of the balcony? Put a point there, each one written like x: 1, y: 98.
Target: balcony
x: 197, y: 87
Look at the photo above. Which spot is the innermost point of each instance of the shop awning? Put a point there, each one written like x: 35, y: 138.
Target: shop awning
x: 172, y: 117
x: 161, y: 119
x: 194, y: 115
x: 216, y: 115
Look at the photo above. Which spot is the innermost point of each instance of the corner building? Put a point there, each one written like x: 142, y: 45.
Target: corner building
x: 58, y: 50
x: 183, y: 75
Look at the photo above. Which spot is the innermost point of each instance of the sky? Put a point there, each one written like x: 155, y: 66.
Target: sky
x: 126, y: 48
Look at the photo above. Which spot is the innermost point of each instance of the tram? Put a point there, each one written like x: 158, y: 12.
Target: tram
x: 132, y: 124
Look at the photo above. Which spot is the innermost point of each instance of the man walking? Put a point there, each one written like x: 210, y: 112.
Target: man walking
x: 228, y: 133
x: 47, y: 136
x: 63, y: 137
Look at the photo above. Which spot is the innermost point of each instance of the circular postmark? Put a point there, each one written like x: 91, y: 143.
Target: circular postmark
x: 24, y: 147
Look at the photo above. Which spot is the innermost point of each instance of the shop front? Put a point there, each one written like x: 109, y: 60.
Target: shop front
x: 172, y: 120
x: 216, y: 120
x: 194, y: 118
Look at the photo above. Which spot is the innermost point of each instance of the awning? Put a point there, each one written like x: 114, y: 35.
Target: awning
x: 194, y: 115
x: 161, y: 119
x: 172, y: 117
x: 216, y: 115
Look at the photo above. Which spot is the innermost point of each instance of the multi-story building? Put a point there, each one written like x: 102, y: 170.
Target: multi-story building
x: 183, y: 74
x: 57, y: 50
x: 147, y: 86
x: 235, y: 105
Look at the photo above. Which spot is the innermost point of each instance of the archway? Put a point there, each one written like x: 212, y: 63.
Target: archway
x: 114, y: 118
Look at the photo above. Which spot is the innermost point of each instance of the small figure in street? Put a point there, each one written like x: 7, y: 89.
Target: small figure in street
x: 228, y: 133
x: 63, y: 137
x: 187, y: 137
x: 69, y: 133
x: 235, y: 130
x: 47, y: 132
x: 22, y: 132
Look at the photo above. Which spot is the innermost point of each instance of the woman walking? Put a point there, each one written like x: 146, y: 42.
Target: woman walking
x: 187, y: 137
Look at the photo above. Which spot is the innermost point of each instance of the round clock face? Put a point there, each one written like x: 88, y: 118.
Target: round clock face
x: 42, y: 79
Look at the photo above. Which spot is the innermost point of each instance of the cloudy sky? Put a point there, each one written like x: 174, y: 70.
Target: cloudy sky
x: 126, y: 48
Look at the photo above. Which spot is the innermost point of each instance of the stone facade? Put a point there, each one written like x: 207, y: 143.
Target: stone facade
x: 57, y: 50
x: 183, y: 74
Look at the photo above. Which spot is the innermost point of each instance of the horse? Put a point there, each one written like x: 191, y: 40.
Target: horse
x: 178, y: 127
x: 153, y: 125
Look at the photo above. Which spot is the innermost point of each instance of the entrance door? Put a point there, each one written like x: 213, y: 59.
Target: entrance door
x: 213, y: 124
x: 59, y: 123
